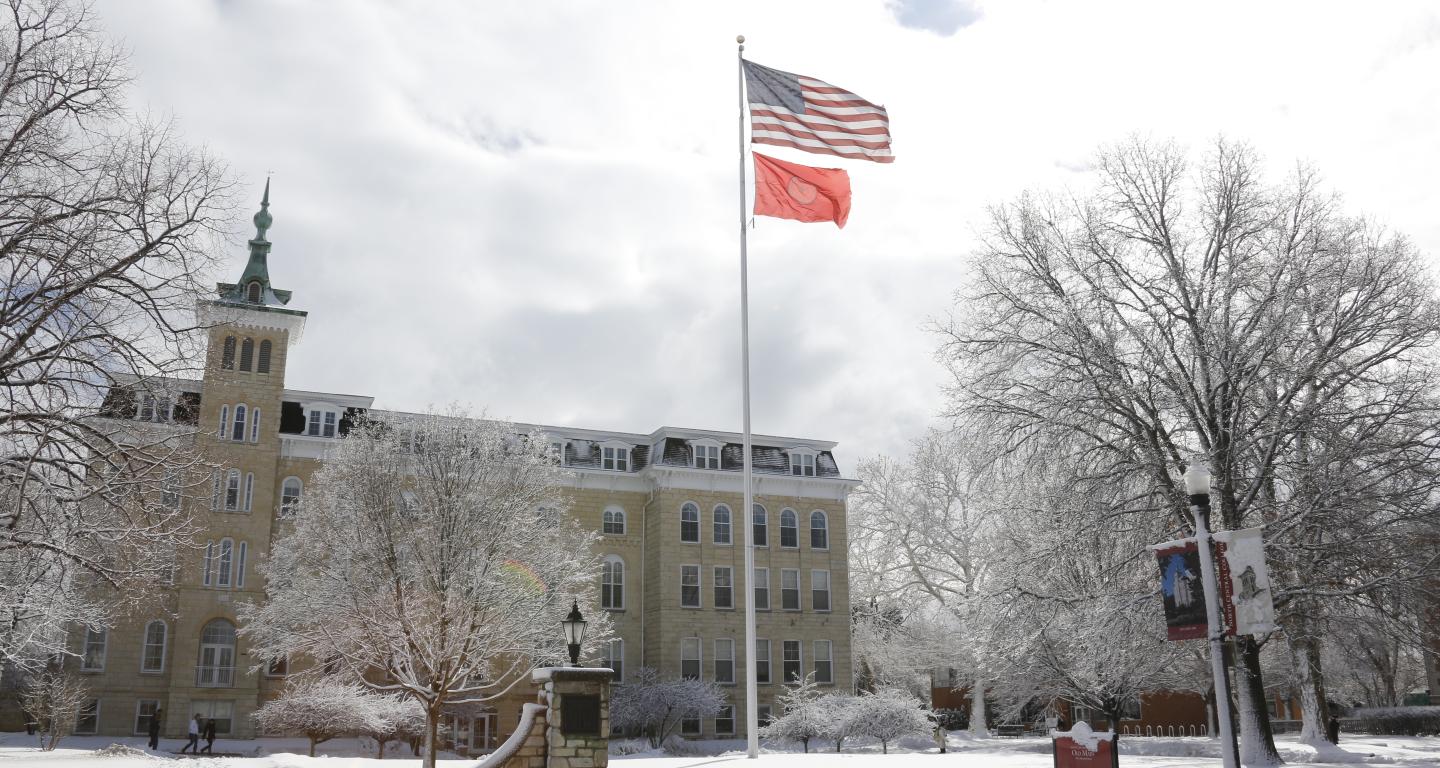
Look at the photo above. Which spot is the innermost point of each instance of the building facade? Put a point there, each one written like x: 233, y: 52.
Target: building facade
x: 666, y: 503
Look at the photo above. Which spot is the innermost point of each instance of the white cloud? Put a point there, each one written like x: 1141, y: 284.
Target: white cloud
x: 531, y: 207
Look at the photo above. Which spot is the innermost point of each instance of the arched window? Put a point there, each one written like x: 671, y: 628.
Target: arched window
x: 209, y: 563
x: 760, y: 526
x: 247, y: 353
x: 217, y: 655
x: 613, y: 521
x: 224, y: 562
x: 227, y: 354
x: 612, y: 583
x: 152, y: 657
x: 238, y: 433
x: 232, y: 491
x: 224, y: 420
x: 290, y: 491
x: 690, y: 523
x: 722, y: 524
x: 263, y: 364
x: 252, y: 292
x: 255, y: 425
x: 819, y: 530
x: 789, y: 529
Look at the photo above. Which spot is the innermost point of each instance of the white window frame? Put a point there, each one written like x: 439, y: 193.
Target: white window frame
x: 139, y: 705
x: 729, y: 526
x: 758, y: 512
x: 240, y: 557
x: 785, y: 573
x: 232, y: 491
x: 95, y: 700
x: 225, y: 563
x: 615, y: 456
x: 755, y: 585
x: 207, y: 579
x: 698, y: 645
x: 322, y: 419
x: 289, y: 509
x: 87, y: 662
x: 146, y: 645
x: 685, y: 507
x: 828, y: 659
x: 794, y: 529
x: 255, y: 424
x: 729, y: 587
x: 730, y: 731
x: 799, y: 661
x: 763, y: 661
x: 828, y: 590
x: 238, y: 429
x: 803, y: 461
x: 699, y: 586
x: 705, y: 453
x: 727, y: 656
x: 612, y: 517
x: 224, y: 421
x: 824, y: 529
x: 610, y: 589
x: 615, y: 652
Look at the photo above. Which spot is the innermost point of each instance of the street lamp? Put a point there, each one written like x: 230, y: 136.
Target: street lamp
x: 574, y: 626
x: 1197, y: 486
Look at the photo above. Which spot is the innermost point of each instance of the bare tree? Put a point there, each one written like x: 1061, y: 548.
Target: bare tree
x: 656, y: 706
x: 53, y: 697
x: 434, y: 557
x: 324, y: 709
x: 1181, y: 309
x: 105, y: 223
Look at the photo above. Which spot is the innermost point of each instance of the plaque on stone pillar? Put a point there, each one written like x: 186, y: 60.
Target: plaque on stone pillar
x: 580, y: 715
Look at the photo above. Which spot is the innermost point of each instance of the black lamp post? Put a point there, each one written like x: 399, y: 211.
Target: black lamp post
x: 574, y: 626
x: 1197, y: 487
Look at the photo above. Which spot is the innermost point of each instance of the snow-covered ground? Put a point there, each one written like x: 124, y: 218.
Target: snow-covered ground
x: 80, y: 752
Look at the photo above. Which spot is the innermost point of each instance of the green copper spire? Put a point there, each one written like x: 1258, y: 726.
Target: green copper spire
x: 262, y: 216
x: 254, y: 285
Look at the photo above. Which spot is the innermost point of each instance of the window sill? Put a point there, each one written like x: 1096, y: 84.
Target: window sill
x: 152, y: 672
x: 693, y: 607
x: 613, y: 610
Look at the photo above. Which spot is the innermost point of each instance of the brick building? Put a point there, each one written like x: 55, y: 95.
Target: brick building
x: 666, y: 502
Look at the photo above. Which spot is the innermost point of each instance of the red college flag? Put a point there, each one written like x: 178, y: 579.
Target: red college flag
x: 790, y: 191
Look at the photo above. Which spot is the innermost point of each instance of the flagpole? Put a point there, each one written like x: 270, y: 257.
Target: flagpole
x: 752, y: 715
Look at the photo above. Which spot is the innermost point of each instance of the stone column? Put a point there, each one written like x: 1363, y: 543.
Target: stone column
x: 577, y: 731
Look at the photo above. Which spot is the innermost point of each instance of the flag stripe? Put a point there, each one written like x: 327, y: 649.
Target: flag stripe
x: 812, y: 115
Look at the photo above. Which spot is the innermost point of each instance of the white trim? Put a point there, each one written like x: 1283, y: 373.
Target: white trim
x: 829, y: 590
x: 729, y: 526
x: 85, y: 649
x: 800, y: 649
x: 769, y: 587
x: 699, y: 521
x: 699, y: 586
x: 796, y: 515
x: 145, y: 646
x: 136, y: 721
x: 212, y: 312
x: 617, y: 510
x: 829, y: 657
x: 811, y: 529
x: 799, y: 591
x: 716, y: 658
x: 610, y: 560
x: 715, y: 588
x: 699, y: 656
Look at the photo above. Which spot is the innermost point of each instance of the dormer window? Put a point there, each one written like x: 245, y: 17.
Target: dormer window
x: 321, y: 421
x: 252, y: 292
x: 802, y: 462
x: 156, y: 408
x: 557, y: 452
x: 615, y: 457
x: 707, y: 453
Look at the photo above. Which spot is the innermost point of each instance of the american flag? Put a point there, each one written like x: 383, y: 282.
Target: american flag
x: 801, y: 112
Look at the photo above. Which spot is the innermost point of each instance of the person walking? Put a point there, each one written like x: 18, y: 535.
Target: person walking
x: 1332, y: 730
x: 155, y: 728
x: 193, y: 733
x: 209, y: 736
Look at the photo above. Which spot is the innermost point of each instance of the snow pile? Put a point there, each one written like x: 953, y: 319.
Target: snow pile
x: 1083, y: 735
x: 120, y: 750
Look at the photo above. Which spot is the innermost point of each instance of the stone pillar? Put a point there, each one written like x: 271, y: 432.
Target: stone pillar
x: 577, y: 731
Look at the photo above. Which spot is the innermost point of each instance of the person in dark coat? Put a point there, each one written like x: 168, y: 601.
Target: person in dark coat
x: 1332, y: 730
x: 209, y: 736
x: 155, y: 728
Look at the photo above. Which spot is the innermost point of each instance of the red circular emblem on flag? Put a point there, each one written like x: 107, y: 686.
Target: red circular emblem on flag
x: 803, y: 191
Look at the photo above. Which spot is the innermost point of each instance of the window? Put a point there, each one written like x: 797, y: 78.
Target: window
x: 707, y: 456
x: 232, y: 491
x: 145, y: 712
x: 612, y: 583
x: 217, y: 657
x: 312, y: 424
x: 789, y: 529
x: 690, y: 726
x: 88, y: 719
x: 152, y: 657
x: 802, y: 463
x: 790, y: 589
x: 689, y: 586
x: 209, y: 562
x: 263, y: 365
x: 227, y: 354
x: 224, y: 420
x: 247, y: 353
x: 762, y: 661
x: 216, y: 481
x: 147, y: 407
x: 330, y: 423
x: 790, y: 661
x: 617, y: 459
x: 690, y: 523
x: 249, y: 489
x: 170, y: 490
x: 252, y: 293
x: 238, y: 433
x: 725, y: 660
x: 224, y: 562
x: 290, y: 496
x: 724, y: 587
x: 615, y: 659
x: 321, y: 422
x: 760, y: 526
x: 222, y: 712
x: 725, y: 721
x: 820, y: 590
x: 690, y: 658
x: 278, y: 667
x: 255, y: 425
x: 240, y: 564
x: 762, y: 714
x: 1130, y: 710
x: 819, y: 531
x: 762, y: 589
x: 612, y: 522
x: 557, y: 452
x: 722, y: 524
x: 824, y: 666
x: 93, y: 659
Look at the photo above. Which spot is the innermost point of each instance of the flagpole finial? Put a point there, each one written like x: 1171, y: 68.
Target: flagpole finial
x: 740, y: 39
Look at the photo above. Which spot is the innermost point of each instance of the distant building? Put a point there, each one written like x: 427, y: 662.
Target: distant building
x: 666, y: 502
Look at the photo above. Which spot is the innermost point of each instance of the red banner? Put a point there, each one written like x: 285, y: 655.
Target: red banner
x: 1183, y: 590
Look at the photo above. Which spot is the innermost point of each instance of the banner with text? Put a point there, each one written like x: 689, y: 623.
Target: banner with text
x: 1248, y: 579
x: 1182, y: 589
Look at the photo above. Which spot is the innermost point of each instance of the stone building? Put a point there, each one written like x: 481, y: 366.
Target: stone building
x: 666, y: 502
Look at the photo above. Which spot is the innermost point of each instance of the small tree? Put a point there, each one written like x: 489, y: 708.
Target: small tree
x: 801, y: 719
x: 53, y: 697
x: 655, y: 706
x: 322, y: 710
x: 837, y: 712
x: 889, y: 714
x: 400, y: 718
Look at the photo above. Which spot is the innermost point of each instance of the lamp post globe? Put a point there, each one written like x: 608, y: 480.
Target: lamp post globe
x: 574, y: 626
x: 1197, y: 478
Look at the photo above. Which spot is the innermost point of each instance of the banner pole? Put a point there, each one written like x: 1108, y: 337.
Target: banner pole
x: 752, y: 715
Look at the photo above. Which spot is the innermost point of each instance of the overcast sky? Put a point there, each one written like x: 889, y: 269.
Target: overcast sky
x: 531, y: 207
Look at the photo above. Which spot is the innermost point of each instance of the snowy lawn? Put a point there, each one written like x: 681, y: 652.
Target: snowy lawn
x: 80, y: 752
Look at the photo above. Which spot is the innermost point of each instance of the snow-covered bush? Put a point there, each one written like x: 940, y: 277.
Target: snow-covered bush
x: 53, y: 697
x: 889, y: 714
x: 837, y: 712
x: 654, y: 706
x: 322, y: 710
x: 801, y: 716
x: 400, y: 719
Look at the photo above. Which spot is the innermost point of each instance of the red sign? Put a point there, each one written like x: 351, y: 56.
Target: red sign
x: 1097, y: 751
x: 1182, y: 591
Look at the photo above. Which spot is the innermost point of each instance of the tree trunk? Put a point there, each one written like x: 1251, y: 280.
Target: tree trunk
x: 432, y: 734
x: 1314, y: 709
x: 977, y: 709
x: 1257, y: 742
x: 380, y: 748
x: 884, y: 747
x: 313, y: 742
